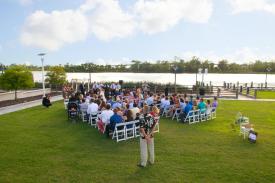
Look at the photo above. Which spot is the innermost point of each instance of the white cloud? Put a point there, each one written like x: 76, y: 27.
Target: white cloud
x: 107, y: 20
x: 240, y: 6
x: 242, y: 55
x: 160, y: 15
x: 51, y: 31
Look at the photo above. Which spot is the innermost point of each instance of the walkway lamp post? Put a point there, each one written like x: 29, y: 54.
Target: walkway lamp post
x: 43, y: 81
x: 175, y: 68
x: 267, y: 71
x: 2, y: 68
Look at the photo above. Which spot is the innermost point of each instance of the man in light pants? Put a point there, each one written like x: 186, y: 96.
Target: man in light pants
x: 147, y: 126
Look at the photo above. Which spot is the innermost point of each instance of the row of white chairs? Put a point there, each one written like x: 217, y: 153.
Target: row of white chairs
x: 121, y: 131
x: 196, y: 116
x: 128, y: 130
x: 193, y: 116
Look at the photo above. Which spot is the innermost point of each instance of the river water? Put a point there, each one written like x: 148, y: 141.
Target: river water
x: 182, y: 79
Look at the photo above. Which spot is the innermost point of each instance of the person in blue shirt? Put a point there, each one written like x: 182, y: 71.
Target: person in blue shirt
x: 150, y: 100
x: 188, y: 108
x: 115, y: 119
x: 116, y: 104
x: 182, y: 104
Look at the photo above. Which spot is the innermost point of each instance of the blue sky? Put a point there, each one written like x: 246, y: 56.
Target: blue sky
x: 111, y: 31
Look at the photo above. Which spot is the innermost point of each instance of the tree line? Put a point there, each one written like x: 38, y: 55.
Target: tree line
x: 190, y: 66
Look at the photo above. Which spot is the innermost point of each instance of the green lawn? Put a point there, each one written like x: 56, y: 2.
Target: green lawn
x: 40, y: 145
x: 266, y: 95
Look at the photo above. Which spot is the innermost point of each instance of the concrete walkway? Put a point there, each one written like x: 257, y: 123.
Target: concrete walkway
x: 248, y: 99
x: 18, y: 107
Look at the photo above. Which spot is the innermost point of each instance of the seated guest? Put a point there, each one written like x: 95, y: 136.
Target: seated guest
x: 197, y: 101
x: 72, y: 98
x: 92, y: 108
x: 188, y: 108
x: 83, y: 106
x: 88, y: 98
x: 157, y: 100
x: 102, y: 105
x: 173, y: 109
x: 127, y: 109
x: 165, y: 104
x: 150, y: 100
x: 171, y: 101
x: 105, y: 119
x: 131, y: 104
x: 208, y: 107
x: 115, y: 119
x: 182, y: 104
x: 155, y: 111
x: 110, y: 100
x: 46, y: 101
x: 117, y: 104
x: 129, y: 116
x: 202, y: 105
x: 162, y: 99
x: 145, y: 110
x: 135, y: 110
x: 215, y: 103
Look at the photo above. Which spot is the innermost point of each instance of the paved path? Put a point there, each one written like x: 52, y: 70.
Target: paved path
x: 18, y: 107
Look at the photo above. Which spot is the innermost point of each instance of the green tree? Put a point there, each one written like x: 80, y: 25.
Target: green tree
x: 56, y: 76
x: 223, y: 66
x: 15, y: 78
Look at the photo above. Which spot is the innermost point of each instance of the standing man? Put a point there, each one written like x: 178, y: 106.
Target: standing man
x: 147, y: 126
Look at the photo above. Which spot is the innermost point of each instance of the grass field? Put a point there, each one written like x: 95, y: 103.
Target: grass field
x: 266, y: 95
x: 40, y: 145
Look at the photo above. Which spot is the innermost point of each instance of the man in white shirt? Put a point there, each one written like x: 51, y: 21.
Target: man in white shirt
x: 92, y: 107
x: 106, y: 114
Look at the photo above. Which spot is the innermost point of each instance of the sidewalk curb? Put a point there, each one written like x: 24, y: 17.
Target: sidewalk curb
x: 18, y: 107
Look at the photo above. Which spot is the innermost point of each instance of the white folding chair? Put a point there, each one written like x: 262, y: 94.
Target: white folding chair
x: 93, y: 119
x: 130, y: 129
x: 119, y: 132
x: 157, y: 124
x: 189, y: 117
x: 83, y: 114
x: 203, y: 115
x: 213, y: 113
x: 66, y: 101
x: 245, y: 127
x: 196, y: 116
x: 176, y: 114
x: 208, y: 114
x: 166, y: 110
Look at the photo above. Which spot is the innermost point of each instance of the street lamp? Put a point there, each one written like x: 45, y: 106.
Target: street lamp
x: 2, y: 67
x: 43, y: 81
x: 175, y: 68
x: 267, y: 70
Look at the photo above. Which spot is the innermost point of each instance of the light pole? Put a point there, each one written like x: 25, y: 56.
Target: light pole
x: 175, y: 68
x: 43, y: 81
x: 267, y: 70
